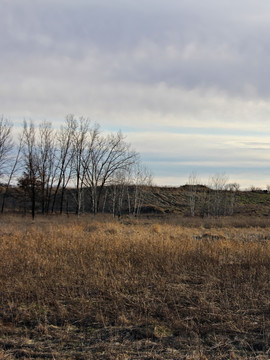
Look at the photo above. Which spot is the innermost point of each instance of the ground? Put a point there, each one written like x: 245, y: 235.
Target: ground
x: 148, y: 288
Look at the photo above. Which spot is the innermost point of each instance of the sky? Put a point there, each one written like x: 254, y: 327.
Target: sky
x: 186, y: 81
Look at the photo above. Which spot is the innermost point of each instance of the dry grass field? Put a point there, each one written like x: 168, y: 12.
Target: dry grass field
x: 96, y: 288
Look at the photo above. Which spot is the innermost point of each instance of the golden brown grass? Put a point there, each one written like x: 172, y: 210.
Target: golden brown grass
x: 95, y: 288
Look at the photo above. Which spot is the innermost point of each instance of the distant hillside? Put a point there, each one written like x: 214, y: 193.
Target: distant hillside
x: 205, y: 201
x: 186, y: 200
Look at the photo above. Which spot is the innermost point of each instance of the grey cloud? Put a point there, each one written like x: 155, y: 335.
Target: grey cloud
x: 190, y: 44
x: 183, y: 44
x: 200, y: 64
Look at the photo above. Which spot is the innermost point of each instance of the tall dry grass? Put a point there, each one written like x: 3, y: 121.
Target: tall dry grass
x: 192, y: 287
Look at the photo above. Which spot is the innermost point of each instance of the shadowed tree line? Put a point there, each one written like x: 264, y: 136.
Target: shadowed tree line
x: 75, y: 168
x: 78, y: 168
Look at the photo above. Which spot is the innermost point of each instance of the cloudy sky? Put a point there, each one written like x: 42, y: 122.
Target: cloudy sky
x: 186, y: 81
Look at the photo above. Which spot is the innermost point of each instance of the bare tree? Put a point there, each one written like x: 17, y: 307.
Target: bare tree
x: 81, y: 156
x: 65, y: 158
x: 232, y: 190
x: 78, y: 154
x: 106, y: 155
x: 6, y: 143
x: 14, y: 167
x: 46, y: 157
x: 119, y: 189
x: 193, y: 182
x: 142, y: 181
x: 218, y: 184
x: 30, y: 178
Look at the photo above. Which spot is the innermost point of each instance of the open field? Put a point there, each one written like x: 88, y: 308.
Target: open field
x: 168, y: 288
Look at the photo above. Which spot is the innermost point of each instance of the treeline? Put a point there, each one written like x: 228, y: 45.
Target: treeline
x: 216, y: 199
x: 74, y: 168
x: 78, y: 168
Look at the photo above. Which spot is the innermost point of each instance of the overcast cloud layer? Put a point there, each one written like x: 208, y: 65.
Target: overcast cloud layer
x: 187, y: 81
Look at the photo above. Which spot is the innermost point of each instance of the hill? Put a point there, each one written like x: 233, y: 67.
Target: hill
x: 184, y: 200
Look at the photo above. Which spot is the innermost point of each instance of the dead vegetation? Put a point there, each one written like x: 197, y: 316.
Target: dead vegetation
x: 95, y: 288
